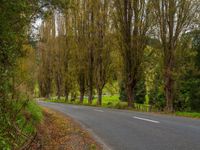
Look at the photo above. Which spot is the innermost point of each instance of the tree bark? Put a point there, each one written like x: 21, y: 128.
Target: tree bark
x: 133, y: 25
x: 66, y: 94
x: 174, y: 18
x: 81, y: 81
x: 168, y: 95
x: 130, y: 95
x: 48, y: 87
x: 169, y: 84
x: 90, y: 96
x: 91, y: 57
x: 90, y: 76
x: 58, y: 83
x: 82, y: 92
x: 99, y: 100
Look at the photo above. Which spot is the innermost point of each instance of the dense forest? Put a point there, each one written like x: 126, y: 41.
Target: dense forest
x: 140, y: 51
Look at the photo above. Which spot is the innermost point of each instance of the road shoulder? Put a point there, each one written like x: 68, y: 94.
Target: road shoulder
x: 58, y: 131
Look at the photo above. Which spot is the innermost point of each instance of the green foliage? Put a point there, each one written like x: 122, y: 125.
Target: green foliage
x: 16, y: 17
x: 109, y: 105
x: 144, y: 107
x: 112, y: 99
x: 15, y: 124
x: 35, y: 111
x: 111, y: 88
x: 4, y: 143
x: 109, y: 102
x: 122, y: 92
x: 121, y: 105
x: 188, y: 74
x: 140, y: 92
x: 156, y: 96
x: 72, y: 62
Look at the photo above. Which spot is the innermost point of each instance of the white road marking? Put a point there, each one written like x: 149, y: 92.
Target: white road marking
x: 98, y: 110
x: 144, y: 119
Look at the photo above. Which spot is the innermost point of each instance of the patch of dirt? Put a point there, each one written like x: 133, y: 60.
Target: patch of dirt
x: 58, y: 132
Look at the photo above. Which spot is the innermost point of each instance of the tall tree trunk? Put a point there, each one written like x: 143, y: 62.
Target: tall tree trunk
x: 90, y: 96
x: 90, y: 76
x: 48, y: 89
x: 82, y: 92
x: 82, y: 88
x: 169, y: 84
x: 91, y: 56
x: 81, y: 81
x: 66, y: 93
x: 99, y: 100
x: 174, y: 18
x: 58, y: 84
x: 130, y: 95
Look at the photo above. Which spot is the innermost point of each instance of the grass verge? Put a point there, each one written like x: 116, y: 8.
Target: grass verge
x: 188, y: 114
x: 18, y: 124
x: 108, y: 102
x: 114, y: 102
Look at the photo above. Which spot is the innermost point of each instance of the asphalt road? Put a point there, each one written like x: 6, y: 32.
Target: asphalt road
x: 130, y: 130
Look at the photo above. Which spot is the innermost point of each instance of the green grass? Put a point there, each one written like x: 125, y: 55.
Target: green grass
x: 29, y: 118
x: 188, y: 114
x: 35, y: 111
x: 114, y: 102
x: 26, y: 121
x: 105, y: 100
x: 111, y: 101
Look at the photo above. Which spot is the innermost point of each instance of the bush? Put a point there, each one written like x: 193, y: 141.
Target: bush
x: 109, y: 105
x: 139, y: 95
x: 20, y: 120
x: 121, y: 105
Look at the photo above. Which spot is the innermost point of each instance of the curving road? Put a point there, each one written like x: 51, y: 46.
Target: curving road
x: 130, y: 130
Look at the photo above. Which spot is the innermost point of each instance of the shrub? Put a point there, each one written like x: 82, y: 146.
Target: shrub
x: 20, y: 120
x: 121, y: 105
x: 109, y: 105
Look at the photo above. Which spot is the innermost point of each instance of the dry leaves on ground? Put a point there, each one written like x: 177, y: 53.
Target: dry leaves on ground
x: 58, y: 132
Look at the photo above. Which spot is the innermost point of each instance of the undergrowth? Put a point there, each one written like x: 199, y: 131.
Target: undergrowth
x: 18, y: 124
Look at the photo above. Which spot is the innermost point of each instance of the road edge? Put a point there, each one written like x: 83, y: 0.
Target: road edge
x: 93, y: 135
